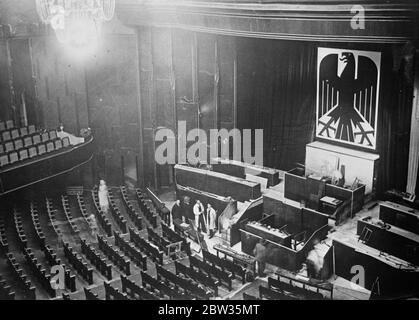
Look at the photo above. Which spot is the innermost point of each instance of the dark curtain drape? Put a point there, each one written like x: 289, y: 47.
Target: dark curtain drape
x: 282, y: 91
x: 277, y: 92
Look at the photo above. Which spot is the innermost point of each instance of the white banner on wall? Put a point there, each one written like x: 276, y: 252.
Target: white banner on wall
x: 348, y: 83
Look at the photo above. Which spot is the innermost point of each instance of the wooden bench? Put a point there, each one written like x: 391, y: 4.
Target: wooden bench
x: 145, y: 246
x: 136, y: 292
x: 225, y: 264
x: 161, y: 287
x: 223, y: 276
x: 114, y: 294
x: 21, y: 276
x: 114, y: 255
x: 197, y: 276
x: 116, y: 213
x: 96, y: 259
x: 188, y: 285
x: 77, y: 262
x: 90, y: 295
x: 134, y: 215
x: 139, y: 258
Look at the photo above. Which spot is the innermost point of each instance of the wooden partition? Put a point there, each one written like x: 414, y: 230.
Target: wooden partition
x: 217, y: 183
x: 240, y: 169
x: 400, y: 216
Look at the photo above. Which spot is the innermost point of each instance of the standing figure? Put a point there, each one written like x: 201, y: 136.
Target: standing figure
x: 198, y: 210
x: 177, y: 211
x: 260, y: 254
x: 103, y: 196
x: 211, y: 220
x: 93, y: 225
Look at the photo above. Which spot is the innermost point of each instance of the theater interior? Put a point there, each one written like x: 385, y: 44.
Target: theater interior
x: 330, y: 212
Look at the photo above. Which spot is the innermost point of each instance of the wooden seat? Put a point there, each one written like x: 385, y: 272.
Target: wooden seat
x: 15, y: 134
x: 10, y: 124
x: 13, y: 157
x: 9, y: 147
x: 66, y: 142
x: 41, y: 149
x: 27, y: 142
x: 6, y: 136
x: 18, y: 144
x: 4, y: 160
x: 24, y: 131
x: 31, y: 129
x: 32, y: 152
x: 50, y: 146
x: 45, y: 137
x: 23, y: 154
x: 58, y: 144
x: 36, y: 139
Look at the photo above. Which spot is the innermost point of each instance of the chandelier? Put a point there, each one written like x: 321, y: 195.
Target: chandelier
x: 77, y: 23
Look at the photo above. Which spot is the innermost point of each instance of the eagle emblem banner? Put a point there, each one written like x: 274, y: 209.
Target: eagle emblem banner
x: 348, y: 83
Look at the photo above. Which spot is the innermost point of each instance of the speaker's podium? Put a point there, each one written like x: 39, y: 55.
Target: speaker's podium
x: 324, y: 158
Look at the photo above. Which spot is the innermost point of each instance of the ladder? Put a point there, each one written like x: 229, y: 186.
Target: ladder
x: 365, y: 235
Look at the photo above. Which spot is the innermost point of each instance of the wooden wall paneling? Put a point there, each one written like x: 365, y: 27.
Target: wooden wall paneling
x: 5, y: 88
x: 23, y: 84
x: 227, y: 61
x: 206, y: 81
x: 147, y: 104
x: 164, y: 91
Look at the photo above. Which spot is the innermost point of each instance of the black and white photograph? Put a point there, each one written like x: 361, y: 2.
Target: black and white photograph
x: 205, y: 157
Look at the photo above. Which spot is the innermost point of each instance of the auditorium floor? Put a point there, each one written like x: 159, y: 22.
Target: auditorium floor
x: 343, y: 289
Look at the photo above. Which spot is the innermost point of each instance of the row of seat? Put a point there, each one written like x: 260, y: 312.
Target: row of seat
x: 23, y: 241
x: 96, y: 259
x: 30, y: 290
x: 197, y: 276
x: 191, y: 287
x: 90, y: 295
x: 160, y: 241
x: 116, y: 213
x: 40, y: 237
x: 145, y: 246
x: 112, y: 293
x: 146, y: 208
x: 295, y: 292
x: 6, y: 125
x: 224, y: 277
x: 16, y: 133
x: 225, y: 265
x: 4, y: 246
x: 136, y: 292
x: 139, y: 258
x: 77, y: 262
x: 50, y: 255
x: 27, y: 139
x: 14, y: 156
x: 69, y: 216
x: 51, y: 214
x: 6, y: 292
x: 83, y: 210
x: 175, y: 237
x: 114, y: 255
x: 39, y: 272
x: 162, y: 289
x: 101, y: 217
x: 271, y: 294
x: 133, y: 214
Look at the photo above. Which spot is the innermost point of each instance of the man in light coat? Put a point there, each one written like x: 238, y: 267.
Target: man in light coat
x: 211, y: 220
x: 198, y: 210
